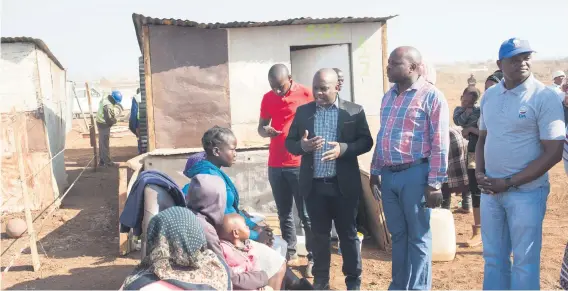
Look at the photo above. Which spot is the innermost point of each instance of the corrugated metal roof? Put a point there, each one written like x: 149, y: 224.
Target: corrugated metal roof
x: 38, y: 42
x: 141, y: 20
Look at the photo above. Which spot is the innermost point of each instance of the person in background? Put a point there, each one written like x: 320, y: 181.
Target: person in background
x: 340, y: 78
x: 457, y: 172
x: 134, y: 120
x: 277, y: 111
x: 467, y: 116
x: 565, y: 100
x: 177, y: 256
x: 521, y: 133
x: 330, y: 133
x: 109, y: 110
x: 557, y: 81
x: 493, y: 79
x: 411, y: 156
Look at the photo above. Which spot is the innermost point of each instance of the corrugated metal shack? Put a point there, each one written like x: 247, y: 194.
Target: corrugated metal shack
x: 197, y: 75
x: 36, y: 110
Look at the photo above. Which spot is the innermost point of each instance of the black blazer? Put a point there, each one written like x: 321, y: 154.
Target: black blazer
x: 354, y: 139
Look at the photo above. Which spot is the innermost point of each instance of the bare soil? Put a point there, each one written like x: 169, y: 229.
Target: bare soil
x: 79, y: 244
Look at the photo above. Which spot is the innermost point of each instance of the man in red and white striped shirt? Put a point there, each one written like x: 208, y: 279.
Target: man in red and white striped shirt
x: 411, y: 156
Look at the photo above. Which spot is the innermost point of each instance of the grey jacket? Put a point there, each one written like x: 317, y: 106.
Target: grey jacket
x: 207, y: 198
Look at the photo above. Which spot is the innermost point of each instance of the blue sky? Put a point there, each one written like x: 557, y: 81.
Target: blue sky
x: 96, y: 38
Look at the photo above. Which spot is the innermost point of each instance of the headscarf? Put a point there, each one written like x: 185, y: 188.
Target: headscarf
x: 208, y: 168
x: 193, y: 159
x: 177, y: 253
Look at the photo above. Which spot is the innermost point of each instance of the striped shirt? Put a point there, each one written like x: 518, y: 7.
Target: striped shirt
x: 325, y: 125
x: 414, y: 125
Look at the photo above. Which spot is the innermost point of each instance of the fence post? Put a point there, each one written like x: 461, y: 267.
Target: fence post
x: 92, y: 132
x: 18, y: 133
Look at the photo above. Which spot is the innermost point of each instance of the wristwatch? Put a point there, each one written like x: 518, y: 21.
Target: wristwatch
x: 509, y: 184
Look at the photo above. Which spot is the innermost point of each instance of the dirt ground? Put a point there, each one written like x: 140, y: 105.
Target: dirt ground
x: 79, y: 244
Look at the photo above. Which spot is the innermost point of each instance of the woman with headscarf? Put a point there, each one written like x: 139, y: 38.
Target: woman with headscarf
x: 212, y: 194
x: 177, y: 256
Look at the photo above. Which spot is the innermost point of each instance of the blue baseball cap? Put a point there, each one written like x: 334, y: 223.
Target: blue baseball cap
x: 513, y: 47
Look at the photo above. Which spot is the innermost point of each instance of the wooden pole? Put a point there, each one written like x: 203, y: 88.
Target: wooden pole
x: 18, y: 133
x: 124, y: 245
x: 81, y: 109
x: 92, y: 132
x: 149, y: 96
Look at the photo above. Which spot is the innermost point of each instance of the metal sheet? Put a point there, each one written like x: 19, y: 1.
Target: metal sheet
x: 249, y: 174
x: 190, y: 83
x: 36, y: 156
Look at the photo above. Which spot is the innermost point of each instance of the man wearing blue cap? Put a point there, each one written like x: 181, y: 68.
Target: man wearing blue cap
x: 521, y: 135
x: 109, y: 109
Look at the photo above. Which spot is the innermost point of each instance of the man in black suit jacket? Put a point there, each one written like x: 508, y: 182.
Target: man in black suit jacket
x: 330, y: 134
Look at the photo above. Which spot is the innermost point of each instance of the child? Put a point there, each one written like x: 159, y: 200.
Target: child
x: 467, y: 116
x: 235, y: 244
x: 237, y: 247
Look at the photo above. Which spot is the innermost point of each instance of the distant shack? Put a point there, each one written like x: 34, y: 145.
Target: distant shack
x: 35, y: 111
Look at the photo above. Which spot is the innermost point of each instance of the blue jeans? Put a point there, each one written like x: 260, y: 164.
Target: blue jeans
x: 512, y: 222
x: 285, y: 184
x: 408, y: 221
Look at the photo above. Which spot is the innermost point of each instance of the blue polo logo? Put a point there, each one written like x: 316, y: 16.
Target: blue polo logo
x: 523, y: 112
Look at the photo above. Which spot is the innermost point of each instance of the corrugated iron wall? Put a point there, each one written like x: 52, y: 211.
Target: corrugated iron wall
x: 142, y: 107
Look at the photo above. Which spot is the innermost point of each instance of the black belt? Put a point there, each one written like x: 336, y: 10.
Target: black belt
x: 402, y: 167
x: 326, y: 180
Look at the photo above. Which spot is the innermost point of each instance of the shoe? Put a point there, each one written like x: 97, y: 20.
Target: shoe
x: 309, y: 269
x: 353, y: 283
x: 475, y: 238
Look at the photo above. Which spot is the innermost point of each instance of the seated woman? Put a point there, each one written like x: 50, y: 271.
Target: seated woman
x: 212, y: 194
x: 177, y: 256
x: 220, y: 151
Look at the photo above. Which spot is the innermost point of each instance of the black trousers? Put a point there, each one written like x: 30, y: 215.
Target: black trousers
x: 474, y: 188
x: 285, y: 183
x: 326, y: 204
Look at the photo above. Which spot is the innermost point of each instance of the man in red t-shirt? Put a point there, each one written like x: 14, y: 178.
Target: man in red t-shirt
x: 277, y: 112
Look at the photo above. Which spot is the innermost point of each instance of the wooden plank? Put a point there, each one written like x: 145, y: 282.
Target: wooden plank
x: 149, y: 97
x: 384, y: 48
x: 375, y: 215
x: 124, y: 246
x: 92, y: 129
x: 18, y: 132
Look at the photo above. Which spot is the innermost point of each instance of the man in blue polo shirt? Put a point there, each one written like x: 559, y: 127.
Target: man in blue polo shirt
x: 521, y: 137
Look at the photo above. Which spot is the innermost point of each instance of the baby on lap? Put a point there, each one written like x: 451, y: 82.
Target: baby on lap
x: 236, y: 245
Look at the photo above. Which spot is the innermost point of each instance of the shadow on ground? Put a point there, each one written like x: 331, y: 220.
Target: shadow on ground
x: 97, y: 278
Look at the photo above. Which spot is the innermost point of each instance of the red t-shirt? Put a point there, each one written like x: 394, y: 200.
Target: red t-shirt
x: 281, y: 110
